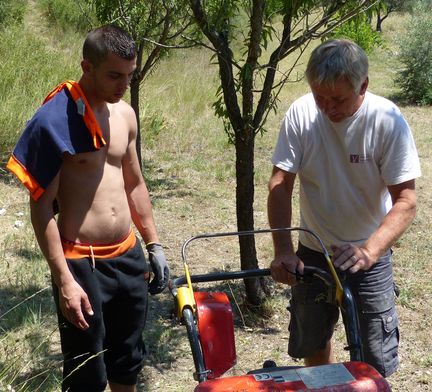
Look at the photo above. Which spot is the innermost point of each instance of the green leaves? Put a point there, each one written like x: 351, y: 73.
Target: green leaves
x: 360, y: 31
x: 415, y: 80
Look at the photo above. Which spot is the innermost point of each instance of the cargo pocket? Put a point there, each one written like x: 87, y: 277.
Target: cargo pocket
x: 390, y: 323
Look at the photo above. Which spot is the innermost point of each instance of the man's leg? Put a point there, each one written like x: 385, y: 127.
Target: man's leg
x: 125, y: 317
x: 322, y: 357
x: 312, y: 317
x: 379, y: 325
x: 83, y: 367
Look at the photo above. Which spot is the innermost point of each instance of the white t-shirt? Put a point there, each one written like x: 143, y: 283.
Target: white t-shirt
x: 344, y: 168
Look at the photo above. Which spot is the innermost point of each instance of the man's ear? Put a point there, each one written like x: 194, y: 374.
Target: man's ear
x: 364, y: 86
x: 86, y: 66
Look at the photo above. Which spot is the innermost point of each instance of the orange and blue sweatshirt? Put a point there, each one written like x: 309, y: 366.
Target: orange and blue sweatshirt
x: 64, y: 124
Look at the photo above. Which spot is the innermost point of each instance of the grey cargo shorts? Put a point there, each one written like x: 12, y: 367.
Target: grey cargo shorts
x: 313, y: 320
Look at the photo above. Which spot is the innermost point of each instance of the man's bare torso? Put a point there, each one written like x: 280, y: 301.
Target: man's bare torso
x: 91, y: 195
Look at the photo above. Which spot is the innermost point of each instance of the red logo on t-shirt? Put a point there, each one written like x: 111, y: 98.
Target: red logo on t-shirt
x: 358, y: 158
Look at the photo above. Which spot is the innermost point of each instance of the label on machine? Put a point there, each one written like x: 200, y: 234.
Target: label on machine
x: 312, y: 377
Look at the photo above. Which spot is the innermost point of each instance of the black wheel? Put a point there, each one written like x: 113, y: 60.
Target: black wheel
x: 192, y: 331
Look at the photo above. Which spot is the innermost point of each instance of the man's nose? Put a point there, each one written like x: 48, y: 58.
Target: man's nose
x: 329, y: 105
x: 124, y: 81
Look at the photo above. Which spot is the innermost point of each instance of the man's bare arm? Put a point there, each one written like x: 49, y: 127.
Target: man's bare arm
x: 73, y: 300
x: 279, y: 206
x: 142, y: 213
x: 136, y: 190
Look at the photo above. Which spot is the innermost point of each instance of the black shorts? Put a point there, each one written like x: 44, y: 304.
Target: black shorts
x: 313, y: 319
x: 112, y: 347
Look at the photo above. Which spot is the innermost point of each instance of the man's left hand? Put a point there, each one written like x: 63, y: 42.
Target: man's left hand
x: 351, y: 258
x: 159, y: 267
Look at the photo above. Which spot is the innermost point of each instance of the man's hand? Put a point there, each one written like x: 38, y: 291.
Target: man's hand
x: 283, y: 269
x: 159, y: 267
x: 74, y: 303
x: 352, y: 258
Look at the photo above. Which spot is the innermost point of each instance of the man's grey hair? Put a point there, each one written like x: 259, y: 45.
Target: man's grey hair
x: 336, y: 59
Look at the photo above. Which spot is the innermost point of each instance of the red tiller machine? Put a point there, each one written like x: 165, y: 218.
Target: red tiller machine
x: 209, y: 323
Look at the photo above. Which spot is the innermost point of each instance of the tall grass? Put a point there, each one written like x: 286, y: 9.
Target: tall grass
x: 33, y: 62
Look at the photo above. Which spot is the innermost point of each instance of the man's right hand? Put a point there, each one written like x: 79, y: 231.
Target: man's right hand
x: 284, y: 267
x: 74, y: 303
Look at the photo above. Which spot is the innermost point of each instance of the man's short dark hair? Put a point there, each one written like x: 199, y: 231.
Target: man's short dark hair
x: 105, y: 39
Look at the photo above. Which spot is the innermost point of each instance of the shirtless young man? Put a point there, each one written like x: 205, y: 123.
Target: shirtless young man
x: 98, y: 267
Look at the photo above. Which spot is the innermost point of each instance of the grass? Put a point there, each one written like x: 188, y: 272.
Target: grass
x: 34, y: 66
x: 189, y: 167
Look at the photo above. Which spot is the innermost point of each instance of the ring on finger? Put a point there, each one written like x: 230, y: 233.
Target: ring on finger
x: 354, y: 258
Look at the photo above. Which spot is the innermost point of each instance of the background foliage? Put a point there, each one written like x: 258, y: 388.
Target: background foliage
x: 415, y: 79
x: 361, y: 31
x: 74, y: 15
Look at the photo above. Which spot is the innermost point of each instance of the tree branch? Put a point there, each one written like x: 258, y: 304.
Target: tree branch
x: 225, y: 62
x: 254, y: 52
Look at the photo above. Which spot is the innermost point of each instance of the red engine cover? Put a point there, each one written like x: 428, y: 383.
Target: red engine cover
x: 216, y: 330
x: 340, y: 377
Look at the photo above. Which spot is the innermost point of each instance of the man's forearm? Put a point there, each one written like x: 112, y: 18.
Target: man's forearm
x: 48, y: 237
x: 279, y: 215
x: 142, y: 213
x: 396, y: 222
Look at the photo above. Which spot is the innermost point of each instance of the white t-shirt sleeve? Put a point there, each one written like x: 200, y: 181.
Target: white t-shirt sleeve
x: 400, y: 160
x: 288, y: 153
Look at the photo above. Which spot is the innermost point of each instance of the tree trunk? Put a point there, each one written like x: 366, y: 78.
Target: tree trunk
x: 244, y: 144
x: 379, y: 22
x: 134, y: 92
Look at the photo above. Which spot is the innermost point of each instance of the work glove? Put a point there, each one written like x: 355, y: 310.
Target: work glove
x: 159, y: 267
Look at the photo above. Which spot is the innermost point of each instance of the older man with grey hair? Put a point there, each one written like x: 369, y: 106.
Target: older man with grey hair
x: 357, y: 162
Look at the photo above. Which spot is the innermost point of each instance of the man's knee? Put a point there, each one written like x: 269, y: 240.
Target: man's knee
x: 321, y: 357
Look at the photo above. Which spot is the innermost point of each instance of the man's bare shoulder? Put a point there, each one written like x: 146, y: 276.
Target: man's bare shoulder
x: 124, y: 107
x: 126, y: 112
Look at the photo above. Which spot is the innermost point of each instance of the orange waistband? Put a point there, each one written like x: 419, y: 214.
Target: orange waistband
x: 74, y: 250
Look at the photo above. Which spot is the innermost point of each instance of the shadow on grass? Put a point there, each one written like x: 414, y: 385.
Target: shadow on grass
x: 6, y: 177
x: 154, y: 182
x: 27, y: 326
x: 23, y: 305
x: 42, y: 372
x: 29, y: 254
